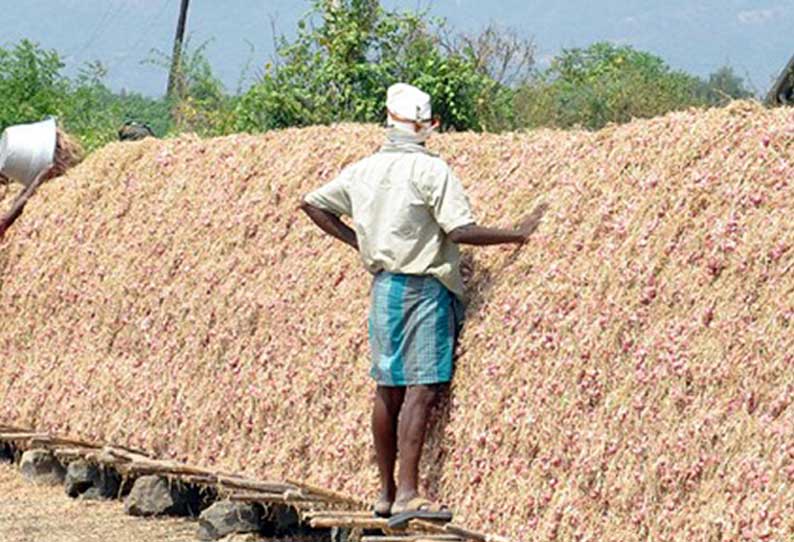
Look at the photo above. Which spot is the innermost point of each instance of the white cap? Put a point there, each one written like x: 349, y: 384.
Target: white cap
x: 408, y: 102
x: 27, y: 149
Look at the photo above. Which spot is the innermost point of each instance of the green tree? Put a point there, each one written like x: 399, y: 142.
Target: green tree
x: 31, y: 84
x: 200, y: 103
x: 33, y: 87
x: 723, y: 86
x: 346, y: 54
x: 601, y: 84
x: 94, y: 113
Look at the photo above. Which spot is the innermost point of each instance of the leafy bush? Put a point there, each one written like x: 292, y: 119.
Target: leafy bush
x: 94, y: 113
x: 723, y: 86
x: 32, y: 88
x: 200, y: 103
x: 604, y: 83
x: 346, y: 55
x: 31, y: 84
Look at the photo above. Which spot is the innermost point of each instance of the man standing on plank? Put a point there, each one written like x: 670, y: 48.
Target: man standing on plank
x: 409, y: 213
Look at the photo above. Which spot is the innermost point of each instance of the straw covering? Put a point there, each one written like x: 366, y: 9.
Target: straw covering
x: 625, y: 376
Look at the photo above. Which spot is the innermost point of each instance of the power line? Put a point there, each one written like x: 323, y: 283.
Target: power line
x: 149, y: 25
x: 110, y: 14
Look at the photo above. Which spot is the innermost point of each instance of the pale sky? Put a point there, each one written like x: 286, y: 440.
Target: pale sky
x: 695, y: 35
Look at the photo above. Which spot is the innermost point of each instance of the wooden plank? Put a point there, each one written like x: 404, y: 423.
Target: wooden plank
x: 424, y: 525
x: 329, y: 494
x: 6, y: 428
x: 128, y: 461
x: 454, y: 529
x: 172, y: 468
x: 201, y: 480
x: 473, y: 535
x: 63, y: 441
x: 125, y: 452
x: 255, y: 485
x: 71, y: 453
x: 349, y: 522
x: 14, y: 436
x: 272, y: 498
x: 413, y: 538
x: 309, y: 514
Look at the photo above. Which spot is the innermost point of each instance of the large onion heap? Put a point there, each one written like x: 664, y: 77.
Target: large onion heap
x: 627, y: 375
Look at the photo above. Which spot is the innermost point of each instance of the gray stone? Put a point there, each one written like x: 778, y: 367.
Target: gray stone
x: 225, y: 518
x: 41, y: 467
x: 91, y: 481
x: 155, y: 496
x: 281, y: 520
x: 6, y: 453
x: 285, y: 518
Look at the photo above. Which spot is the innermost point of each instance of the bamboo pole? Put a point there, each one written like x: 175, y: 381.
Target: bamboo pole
x: 5, y: 428
x: 202, y: 480
x: 71, y: 453
x: 45, y: 440
x: 310, y: 514
x: 412, y: 538
x: 59, y: 441
x: 13, y: 436
x: 350, y: 522
x: 271, y: 498
x: 424, y: 525
x: 454, y: 529
x: 254, y: 485
x: 328, y: 493
x: 473, y: 535
x: 126, y: 451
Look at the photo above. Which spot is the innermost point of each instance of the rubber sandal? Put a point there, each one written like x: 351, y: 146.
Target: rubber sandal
x: 418, y: 508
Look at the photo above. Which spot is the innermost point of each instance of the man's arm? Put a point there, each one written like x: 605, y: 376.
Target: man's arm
x: 20, y: 202
x: 482, y: 236
x: 331, y: 224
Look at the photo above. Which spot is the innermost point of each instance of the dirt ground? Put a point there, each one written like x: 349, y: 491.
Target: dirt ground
x: 30, y: 513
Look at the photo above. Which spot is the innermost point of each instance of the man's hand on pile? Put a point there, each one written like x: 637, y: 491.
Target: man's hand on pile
x: 528, y: 226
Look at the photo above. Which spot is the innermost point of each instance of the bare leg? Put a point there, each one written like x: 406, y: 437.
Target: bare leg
x: 412, y: 428
x: 385, y: 414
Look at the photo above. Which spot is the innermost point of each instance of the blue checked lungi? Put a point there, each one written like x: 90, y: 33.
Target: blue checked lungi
x: 414, y: 321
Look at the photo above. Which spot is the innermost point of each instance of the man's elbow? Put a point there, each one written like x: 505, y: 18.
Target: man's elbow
x: 306, y: 207
x: 458, y: 235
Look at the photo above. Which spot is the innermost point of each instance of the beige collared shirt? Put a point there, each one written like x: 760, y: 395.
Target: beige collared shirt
x: 403, y: 202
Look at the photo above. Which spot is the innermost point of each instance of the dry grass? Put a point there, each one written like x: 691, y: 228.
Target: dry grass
x: 68, y: 153
x: 30, y: 513
x: 8, y: 191
x: 625, y: 376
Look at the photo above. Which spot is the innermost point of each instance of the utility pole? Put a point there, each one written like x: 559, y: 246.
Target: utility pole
x: 176, y: 57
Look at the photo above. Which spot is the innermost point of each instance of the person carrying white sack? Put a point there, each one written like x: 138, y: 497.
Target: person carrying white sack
x: 409, y: 213
x: 31, y: 154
